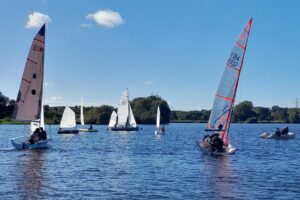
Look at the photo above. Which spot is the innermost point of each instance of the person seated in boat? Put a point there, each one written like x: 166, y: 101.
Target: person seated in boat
x: 277, y: 132
x: 43, y: 134
x: 91, y: 127
x: 163, y: 129
x: 216, y: 142
x: 285, y: 131
x: 35, y: 136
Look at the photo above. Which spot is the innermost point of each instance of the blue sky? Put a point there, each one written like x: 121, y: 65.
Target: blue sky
x: 173, y: 48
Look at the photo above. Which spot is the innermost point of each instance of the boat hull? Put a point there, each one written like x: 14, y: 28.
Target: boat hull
x: 123, y: 129
x: 87, y: 130
x: 267, y: 135
x: 22, y: 143
x: 206, y: 150
x: 71, y: 131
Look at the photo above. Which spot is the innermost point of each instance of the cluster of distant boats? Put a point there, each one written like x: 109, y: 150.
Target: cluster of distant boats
x: 29, y: 104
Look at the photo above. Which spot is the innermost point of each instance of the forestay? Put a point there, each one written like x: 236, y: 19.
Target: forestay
x: 68, y: 119
x: 225, y: 96
x: 29, y: 100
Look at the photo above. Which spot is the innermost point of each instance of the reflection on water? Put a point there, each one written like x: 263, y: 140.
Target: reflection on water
x: 29, y: 173
x: 221, y: 177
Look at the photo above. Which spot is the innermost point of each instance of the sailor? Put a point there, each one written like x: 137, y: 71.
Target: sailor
x: 216, y: 142
x: 163, y: 129
x: 285, y: 131
x: 277, y: 132
x: 91, y: 127
x: 35, y: 136
x: 43, y: 134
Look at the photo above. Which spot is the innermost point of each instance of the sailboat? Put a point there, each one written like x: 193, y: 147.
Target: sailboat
x: 29, y: 103
x: 123, y: 120
x: 219, y: 120
x: 68, y: 122
x: 82, y: 121
x: 158, y: 129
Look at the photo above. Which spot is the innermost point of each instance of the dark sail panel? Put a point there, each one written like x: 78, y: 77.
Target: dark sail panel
x: 29, y: 99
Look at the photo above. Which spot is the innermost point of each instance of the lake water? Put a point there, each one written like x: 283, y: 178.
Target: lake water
x: 142, y: 165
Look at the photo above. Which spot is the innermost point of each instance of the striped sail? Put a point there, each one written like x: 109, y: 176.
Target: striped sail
x: 29, y: 100
x: 225, y: 96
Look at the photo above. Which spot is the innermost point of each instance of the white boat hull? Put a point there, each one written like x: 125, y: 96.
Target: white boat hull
x: 22, y: 143
x: 267, y: 135
x: 206, y: 150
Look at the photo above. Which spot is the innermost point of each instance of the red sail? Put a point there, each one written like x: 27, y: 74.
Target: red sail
x: 225, y: 96
x: 29, y: 99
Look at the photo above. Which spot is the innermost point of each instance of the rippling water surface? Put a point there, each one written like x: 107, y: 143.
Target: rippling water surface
x: 142, y: 165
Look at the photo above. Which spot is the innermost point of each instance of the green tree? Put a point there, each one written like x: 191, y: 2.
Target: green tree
x: 243, y: 111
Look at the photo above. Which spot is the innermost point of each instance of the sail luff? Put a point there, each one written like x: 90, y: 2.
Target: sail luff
x: 29, y: 99
x: 225, y: 96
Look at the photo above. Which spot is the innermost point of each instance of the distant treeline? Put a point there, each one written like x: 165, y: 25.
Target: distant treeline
x: 144, y: 109
x: 244, y: 112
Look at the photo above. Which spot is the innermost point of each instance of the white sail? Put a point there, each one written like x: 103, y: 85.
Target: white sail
x: 158, y: 117
x: 40, y: 123
x: 113, y: 119
x: 81, y: 113
x: 131, y: 118
x: 68, y: 119
x: 123, y: 109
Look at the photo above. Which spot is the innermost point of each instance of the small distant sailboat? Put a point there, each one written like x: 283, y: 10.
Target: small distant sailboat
x: 29, y: 103
x: 68, y: 122
x: 82, y: 121
x: 219, y: 120
x: 123, y: 120
x: 158, y: 129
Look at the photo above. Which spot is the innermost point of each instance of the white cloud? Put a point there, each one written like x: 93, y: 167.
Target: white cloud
x: 107, y: 18
x: 85, y: 25
x: 149, y: 82
x: 36, y: 20
x: 56, y: 98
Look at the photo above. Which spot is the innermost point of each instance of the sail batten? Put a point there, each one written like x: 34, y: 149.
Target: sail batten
x: 225, y: 96
x: 29, y: 98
